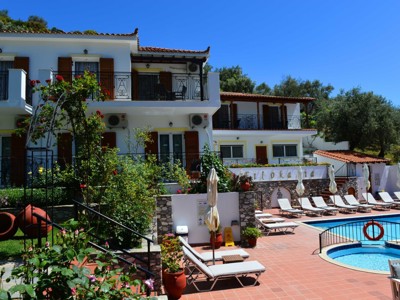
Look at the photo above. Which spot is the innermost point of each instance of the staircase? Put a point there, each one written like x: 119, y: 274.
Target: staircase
x: 340, y: 181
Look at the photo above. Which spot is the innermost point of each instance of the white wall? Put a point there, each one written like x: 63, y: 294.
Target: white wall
x: 318, y: 143
x: 185, y: 211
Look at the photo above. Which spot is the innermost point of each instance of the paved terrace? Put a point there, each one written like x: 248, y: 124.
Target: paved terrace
x: 294, y: 270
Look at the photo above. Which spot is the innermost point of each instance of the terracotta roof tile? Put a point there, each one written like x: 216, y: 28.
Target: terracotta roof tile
x: 351, y: 156
x: 168, y: 50
x: 49, y: 32
x: 252, y: 97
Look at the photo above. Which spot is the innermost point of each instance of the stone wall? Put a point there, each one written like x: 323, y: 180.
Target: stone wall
x: 163, y: 216
x: 247, y: 202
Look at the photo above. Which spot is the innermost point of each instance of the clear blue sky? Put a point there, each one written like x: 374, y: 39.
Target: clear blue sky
x: 345, y: 43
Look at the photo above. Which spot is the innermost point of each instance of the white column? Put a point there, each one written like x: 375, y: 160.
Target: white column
x: 16, y: 85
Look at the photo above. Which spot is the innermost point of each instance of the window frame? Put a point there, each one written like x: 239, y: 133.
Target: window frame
x: 285, y: 150
x: 231, y: 151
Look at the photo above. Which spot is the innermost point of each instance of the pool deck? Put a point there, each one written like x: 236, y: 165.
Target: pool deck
x: 294, y: 270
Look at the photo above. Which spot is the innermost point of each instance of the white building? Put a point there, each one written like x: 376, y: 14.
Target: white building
x: 260, y: 128
x: 163, y: 89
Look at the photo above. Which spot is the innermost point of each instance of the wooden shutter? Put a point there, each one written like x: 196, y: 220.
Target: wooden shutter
x: 18, y: 154
x: 107, y: 77
x: 135, y: 85
x: 234, y: 116
x: 22, y: 63
x: 166, y: 80
x: 64, y: 149
x: 284, y: 117
x: 261, y: 154
x: 109, y: 140
x: 152, y: 147
x: 65, y: 68
x: 192, y: 150
x: 215, y: 119
x: 265, y: 116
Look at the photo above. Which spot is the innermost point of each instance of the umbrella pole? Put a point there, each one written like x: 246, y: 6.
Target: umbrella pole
x: 213, y: 245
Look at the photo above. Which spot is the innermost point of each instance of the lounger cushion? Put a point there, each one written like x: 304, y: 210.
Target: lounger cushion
x: 396, y: 269
x: 264, y: 215
x: 207, y: 256
x: 272, y: 220
x: 281, y: 225
x: 236, y: 268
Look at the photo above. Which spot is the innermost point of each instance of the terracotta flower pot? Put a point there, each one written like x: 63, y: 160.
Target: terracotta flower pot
x: 217, y: 241
x: 245, y: 186
x: 8, y: 226
x: 28, y: 223
x: 174, y: 284
x: 252, y: 242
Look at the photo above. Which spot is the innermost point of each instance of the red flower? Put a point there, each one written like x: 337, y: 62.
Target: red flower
x: 33, y: 83
x: 102, y: 116
x: 59, y: 78
x: 82, y: 186
x: 115, y: 172
x: 37, y: 81
x: 77, y: 76
x: 48, y: 81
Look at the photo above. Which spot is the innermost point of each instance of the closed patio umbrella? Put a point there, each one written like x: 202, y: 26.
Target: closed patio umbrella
x: 365, y: 172
x: 300, y: 186
x: 212, y: 219
x: 332, y: 183
x: 398, y: 175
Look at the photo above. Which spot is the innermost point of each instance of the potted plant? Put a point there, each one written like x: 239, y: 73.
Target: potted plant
x: 174, y: 278
x: 241, y: 182
x: 252, y: 234
x: 216, y: 238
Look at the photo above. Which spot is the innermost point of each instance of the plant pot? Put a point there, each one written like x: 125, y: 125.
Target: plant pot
x: 28, y: 223
x: 217, y: 241
x: 245, y: 186
x: 174, y: 284
x: 252, y: 242
x: 8, y: 226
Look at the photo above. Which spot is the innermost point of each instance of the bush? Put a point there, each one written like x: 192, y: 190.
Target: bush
x: 251, y: 232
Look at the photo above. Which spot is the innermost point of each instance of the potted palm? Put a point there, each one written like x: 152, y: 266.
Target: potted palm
x: 252, y: 234
x: 174, y: 278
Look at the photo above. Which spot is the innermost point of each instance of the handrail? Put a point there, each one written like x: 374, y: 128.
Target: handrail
x: 354, y: 231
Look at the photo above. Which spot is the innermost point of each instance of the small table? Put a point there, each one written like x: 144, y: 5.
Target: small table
x: 232, y: 258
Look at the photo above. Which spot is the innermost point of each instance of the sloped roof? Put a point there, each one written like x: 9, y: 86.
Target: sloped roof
x: 231, y: 96
x: 351, y: 156
x: 169, y: 50
x: 58, y: 32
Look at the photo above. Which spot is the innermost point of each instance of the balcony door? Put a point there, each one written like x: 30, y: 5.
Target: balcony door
x: 4, y: 66
x: 272, y: 117
x: 147, y: 86
x: 171, y: 147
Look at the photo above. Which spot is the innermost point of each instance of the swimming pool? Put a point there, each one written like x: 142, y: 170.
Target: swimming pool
x: 370, y: 256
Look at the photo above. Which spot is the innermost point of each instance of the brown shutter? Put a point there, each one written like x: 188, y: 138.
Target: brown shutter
x: 135, y: 85
x: 107, y: 77
x: 234, y: 116
x: 18, y: 154
x: 109, y: 140
x: 284, y: 117
x: 166, y: 80
x: 152, y: 147
x: 265, y: 116
x: 261, y: 154
x: 65, y: 68
x: 22, y: 63
x: 64, y: 149
x: 192, y: 151
x: 215, y: 119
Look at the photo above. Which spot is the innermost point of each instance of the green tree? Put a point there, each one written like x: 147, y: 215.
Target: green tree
x: 263, y: 89
x: 362, y: 118
x: 233, y: 80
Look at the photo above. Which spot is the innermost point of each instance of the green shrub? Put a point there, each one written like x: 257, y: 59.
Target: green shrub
x: 15, y: 197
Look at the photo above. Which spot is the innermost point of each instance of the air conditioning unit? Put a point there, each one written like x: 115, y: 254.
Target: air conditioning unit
x: 198, y: 120
x: 192, y: 67
x: 116, y: 120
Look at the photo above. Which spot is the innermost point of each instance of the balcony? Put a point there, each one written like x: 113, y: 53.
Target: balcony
x: 15, y: 92
x: 257, y: 122
x: 127, y: 86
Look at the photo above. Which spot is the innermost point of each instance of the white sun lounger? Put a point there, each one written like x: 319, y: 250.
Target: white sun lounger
x: 284, y: 227
x: 207, y: 257
x: 308, y: 208
x: 285, y: 207
x: 338, y: 201
x: 267, y: 218
x: 200, y: 273
x: 320, y: 203
x: 351, y: 200
x: 377, y: 205
x: 397, y: 194
x: 385, y: 196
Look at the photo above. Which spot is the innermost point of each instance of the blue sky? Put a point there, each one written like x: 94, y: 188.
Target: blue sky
x: 342, y: 43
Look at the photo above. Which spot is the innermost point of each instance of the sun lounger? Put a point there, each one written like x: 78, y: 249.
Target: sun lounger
x: 320, y: 203
x: 308, y: 208
x: 388, y: 199
x: 351, y: 200
x: 267, y: 218
x: 397, y: 194
x: 285, y: 207
x: 284, y: 227
x: 343, y: 207
x: 263, y: 215
x: 207, y: 257
x: 377, y: 205
x: 200, y: 273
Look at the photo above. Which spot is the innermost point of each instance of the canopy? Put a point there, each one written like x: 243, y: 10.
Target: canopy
x: 332, y: 184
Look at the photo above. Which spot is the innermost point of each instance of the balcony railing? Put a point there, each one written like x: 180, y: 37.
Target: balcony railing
x: 148, y: 86
x: 280, y: 160
x: 255, y: 122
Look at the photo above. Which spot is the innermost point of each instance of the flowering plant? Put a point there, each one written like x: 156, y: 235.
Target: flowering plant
x: 58, y: 271
x: 171, y: 253
x: 237, y: 181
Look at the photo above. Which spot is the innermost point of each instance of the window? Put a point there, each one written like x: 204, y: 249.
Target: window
x: 171, y: 148
x: 82, y: 66
x: 232, y: 151
x: 284, y: 150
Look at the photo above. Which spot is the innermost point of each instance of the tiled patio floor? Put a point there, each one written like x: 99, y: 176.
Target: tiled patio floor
x: 295, y: 271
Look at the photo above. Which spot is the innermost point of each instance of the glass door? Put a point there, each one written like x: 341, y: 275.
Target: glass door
x: 171, y: 147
